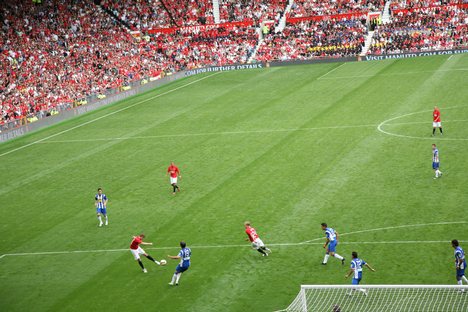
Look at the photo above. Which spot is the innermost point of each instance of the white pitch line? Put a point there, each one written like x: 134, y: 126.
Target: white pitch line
x: 310, y: 242
x: 48, y: 253
x: 450, y: 57
x: 210, y: 133
x: 236, y: 132
x: 386, y: 122
x: 394, y: 227
x: 396, y: 74
x: 421, y: 122
x: 331, y: 71
x: 109, y: 114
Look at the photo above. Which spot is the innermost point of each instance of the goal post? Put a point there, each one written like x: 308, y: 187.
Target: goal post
x: 382, y: 298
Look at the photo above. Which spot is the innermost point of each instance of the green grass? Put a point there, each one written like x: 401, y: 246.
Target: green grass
x: 264, y: 145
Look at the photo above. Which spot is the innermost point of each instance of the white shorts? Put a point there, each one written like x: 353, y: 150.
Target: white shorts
x: 436, y: 124
x: 137, y: 252
x: 257, y: 243
x: 173, y: 180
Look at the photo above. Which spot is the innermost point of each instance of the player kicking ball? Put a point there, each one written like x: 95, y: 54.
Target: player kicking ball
x: 174, y: 173
x: 184, y: 256
x: 257, y: 243
x: 356, y: 270
x: 101, y: 206
x: 136, y: 251
x: 330, y: 244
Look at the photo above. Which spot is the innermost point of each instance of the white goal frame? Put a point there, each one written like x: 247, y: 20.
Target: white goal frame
x: 300, y: 303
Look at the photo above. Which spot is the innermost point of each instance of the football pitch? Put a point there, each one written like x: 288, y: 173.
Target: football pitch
x: 284, y: 147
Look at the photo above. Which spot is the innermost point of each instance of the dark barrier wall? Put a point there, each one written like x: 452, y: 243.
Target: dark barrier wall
x: 410, y: 55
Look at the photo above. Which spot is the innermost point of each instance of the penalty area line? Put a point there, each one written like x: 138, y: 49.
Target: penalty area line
x: 399, y: 242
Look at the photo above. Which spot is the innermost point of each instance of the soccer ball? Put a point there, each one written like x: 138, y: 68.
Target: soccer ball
x: 163, y: 262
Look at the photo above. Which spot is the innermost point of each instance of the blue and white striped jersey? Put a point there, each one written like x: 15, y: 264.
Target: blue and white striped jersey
x: 101, y: 200
x: 185, y: 254
x: 356, y: 265
x: 331, y: 234
x: 460, y: 255
x: 435, y: 155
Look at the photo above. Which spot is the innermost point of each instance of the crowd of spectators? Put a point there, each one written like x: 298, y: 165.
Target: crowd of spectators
x: 190, y: 12
x: 315, y: 39
x: 151, y: 14
x: 139, y: 14
x: 436, y: 28
x: 255, y: 10
x: 302, y: 8
x: 66, y: 50
x: 55, y: 53
x: 63, y: 50
x: 218, y: 46
x: 409, y: 4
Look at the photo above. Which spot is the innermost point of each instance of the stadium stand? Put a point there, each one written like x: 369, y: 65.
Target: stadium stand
x: 409, y: 4
x: 302, y: 8
x: 191, y: 12
x: 422, y: 29
x: 217, y: 46
x: 331, y: 37
x: 63, y: 51
x: 140, y: 14
x: 55, y: 55
x: 257, y: 11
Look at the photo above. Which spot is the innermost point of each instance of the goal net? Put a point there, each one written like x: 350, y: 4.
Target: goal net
x: 382, y: 298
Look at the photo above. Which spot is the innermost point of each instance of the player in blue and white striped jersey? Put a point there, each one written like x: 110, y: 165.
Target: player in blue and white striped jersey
x: 184, y: 255
x: 330, y: 244
x: 356, y: 270
x: 460, y: 262
x: 101, y: 206
x: 436, y: 161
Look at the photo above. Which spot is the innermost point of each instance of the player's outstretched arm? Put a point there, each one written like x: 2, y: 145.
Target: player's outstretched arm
x: 351, y: 271
x: 370, y: 268
x: 326, y: 243
x: 145, y: 243
x: 173, y: 257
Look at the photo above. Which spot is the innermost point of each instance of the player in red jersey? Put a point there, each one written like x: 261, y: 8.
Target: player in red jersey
x: 436, y: 123
x: 136, y: 250
x: 174, y: 173
x: 253, y: 237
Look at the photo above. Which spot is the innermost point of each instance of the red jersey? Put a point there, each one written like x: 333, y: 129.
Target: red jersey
x: 173, y: 170
x: 135, y: 243
x: 251, y: 233
x: 436, y: 115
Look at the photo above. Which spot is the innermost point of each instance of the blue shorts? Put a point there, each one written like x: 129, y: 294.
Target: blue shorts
x: 460, y: 272
x: 356, y: 281
x: 101, y: 210
x: 332, y: 246
x: 182, y: 269
x: 435, y: 165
